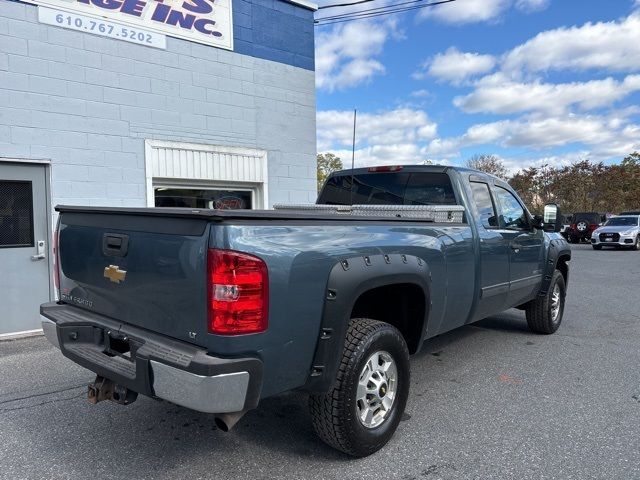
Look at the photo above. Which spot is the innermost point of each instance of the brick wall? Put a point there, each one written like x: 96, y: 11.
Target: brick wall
x: 87, y: 103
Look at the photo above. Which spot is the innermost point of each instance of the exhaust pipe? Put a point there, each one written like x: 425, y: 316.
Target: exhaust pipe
x: 226, y: 421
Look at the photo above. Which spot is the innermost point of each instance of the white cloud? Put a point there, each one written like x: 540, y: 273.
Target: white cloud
x: 552, y: 132
x: 612, y: 46
x: 376, y: 155
x: 529, y: 6
x: 392, y: 127
x: 442, y: 148
x: 456, y: 66
x: 466, y: 11
x: 346, y: 54
x: 423, y: 93
x: 497, y: 94
x: 382, y: 138
x: 605, y: 136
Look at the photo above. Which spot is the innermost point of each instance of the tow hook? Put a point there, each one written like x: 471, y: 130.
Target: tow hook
x: 104, y: 389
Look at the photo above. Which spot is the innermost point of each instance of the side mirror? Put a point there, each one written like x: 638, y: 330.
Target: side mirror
x: 552, y: 218
x: 537, y: 222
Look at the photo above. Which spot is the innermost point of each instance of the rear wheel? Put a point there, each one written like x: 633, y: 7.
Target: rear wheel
x: 362, y: 411
x: 544, y: 314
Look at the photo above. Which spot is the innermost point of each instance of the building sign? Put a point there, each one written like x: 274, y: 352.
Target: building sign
x: 203, y: 21
x: 98, y: 26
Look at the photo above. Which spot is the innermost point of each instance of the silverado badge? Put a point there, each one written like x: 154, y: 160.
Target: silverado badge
x: 113, y: 273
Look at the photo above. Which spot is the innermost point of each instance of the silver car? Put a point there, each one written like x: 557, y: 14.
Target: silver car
x: 620, y: 231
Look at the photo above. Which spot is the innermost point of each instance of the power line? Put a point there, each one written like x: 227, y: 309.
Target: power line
x: 345, y: 4
x: 370, y: 11
x: 376, y: 12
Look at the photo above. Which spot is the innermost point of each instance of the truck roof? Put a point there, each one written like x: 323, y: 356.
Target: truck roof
x: 413, y: 169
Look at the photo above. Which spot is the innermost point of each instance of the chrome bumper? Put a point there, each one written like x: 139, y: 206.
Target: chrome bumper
x: 49, y: 329
x: 218, y: 394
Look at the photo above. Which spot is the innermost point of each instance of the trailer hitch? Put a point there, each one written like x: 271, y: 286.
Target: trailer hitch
x: 104, y: 389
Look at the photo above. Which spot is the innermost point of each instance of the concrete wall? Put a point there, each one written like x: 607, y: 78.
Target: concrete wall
x: 87, y: 103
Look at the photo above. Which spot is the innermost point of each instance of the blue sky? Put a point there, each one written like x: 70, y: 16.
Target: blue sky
x: 532, y: 81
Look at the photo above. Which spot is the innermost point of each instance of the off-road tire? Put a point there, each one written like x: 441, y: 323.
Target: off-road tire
x: 539, y: 311
x: 334, y: 414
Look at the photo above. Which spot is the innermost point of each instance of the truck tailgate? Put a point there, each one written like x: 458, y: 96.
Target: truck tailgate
x: 143, y: 270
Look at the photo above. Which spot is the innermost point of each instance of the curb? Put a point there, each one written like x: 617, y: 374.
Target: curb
x: 7, y: 337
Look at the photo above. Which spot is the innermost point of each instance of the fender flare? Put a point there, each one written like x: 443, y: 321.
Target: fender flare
x: 348, y: 280
x: 558, y: 249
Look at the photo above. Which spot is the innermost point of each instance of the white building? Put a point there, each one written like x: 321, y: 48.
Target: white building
x: 145, y: 103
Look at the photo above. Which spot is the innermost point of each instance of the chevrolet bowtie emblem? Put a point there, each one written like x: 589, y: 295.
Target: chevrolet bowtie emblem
x: 113, y: 273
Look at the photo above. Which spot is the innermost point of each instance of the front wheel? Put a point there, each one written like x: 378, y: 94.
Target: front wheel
x: 636, y: 246
x: 544, y: 314
x: 360, y: 414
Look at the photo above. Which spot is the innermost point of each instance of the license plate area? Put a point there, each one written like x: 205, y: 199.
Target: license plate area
x: 119, y: 345
x: 608, y: 239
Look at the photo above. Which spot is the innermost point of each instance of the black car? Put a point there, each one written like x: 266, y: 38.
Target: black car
x: 582, y: 226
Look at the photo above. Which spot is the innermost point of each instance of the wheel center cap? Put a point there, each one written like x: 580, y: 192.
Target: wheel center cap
x: 383, y: 390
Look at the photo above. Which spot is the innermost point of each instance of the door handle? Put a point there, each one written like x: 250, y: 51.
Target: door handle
x: 41, y: 249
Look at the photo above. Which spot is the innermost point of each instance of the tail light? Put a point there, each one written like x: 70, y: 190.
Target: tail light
x: 394, y: 168
x: 56, y: 261
x: 238, y: 286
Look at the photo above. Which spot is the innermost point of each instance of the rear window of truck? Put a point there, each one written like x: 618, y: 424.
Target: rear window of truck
x: 389, y: 188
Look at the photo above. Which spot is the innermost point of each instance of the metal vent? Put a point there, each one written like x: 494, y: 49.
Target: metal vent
x: 16, y: 214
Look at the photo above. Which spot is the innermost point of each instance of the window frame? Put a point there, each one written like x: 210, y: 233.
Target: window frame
x: 218, y: 187
x: 31, y: 217
x: 527, y: 215
x: 493, y: 204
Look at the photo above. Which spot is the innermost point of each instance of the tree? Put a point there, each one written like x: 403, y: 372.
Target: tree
x: 491, y: 164
x: 327, y: 163
x: 583, y: 186
x: 526, y: 183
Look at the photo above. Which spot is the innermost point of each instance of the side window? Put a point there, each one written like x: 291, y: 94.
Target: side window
x: 484, y: 204
x: 513, y: 215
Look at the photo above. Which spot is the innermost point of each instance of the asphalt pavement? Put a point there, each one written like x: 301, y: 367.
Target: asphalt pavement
x: 490, y: 400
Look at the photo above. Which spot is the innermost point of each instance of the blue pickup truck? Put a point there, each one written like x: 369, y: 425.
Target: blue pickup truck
x: 215, y: 310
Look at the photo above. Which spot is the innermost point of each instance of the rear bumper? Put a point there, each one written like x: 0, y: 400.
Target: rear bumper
x: 154, y: 365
